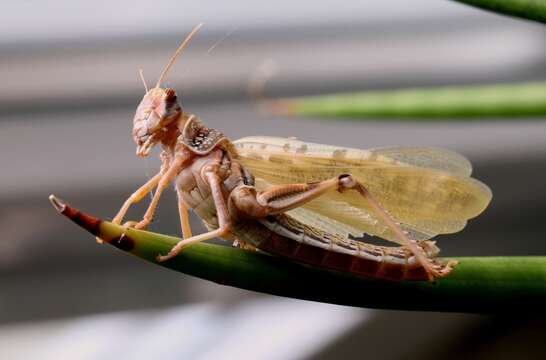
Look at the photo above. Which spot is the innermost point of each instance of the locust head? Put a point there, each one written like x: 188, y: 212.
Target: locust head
x: 155, y: 115
x: 158, y: 110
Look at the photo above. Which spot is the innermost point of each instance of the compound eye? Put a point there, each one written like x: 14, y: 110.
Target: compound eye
x: 170, y: 94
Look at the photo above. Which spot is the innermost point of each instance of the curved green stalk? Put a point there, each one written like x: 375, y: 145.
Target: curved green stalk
x: 477, y: 285
x: 465, y: 102
x: 528, y: 9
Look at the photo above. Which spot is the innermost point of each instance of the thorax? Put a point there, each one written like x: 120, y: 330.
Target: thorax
x: 194, y: 190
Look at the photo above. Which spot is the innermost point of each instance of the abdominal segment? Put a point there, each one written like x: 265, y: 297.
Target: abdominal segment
x: 284, y: 236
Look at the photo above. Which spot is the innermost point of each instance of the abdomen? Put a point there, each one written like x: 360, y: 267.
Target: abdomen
x: 284, y: 236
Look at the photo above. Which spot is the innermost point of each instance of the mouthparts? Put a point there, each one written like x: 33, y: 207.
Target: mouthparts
x: 144, y: 149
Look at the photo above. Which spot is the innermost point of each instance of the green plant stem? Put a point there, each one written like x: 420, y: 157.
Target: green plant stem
x: 477, y: 285
x: 465, y: 102
x: 528, y: 9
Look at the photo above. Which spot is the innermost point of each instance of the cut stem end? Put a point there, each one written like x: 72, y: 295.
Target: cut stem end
x: 57, y: 203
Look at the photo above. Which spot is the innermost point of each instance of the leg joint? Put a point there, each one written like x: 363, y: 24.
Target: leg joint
x: 346, y: 182
x: 224, y: 228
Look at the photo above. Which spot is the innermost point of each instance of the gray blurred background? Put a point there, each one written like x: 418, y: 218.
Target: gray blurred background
x: 69, y: 90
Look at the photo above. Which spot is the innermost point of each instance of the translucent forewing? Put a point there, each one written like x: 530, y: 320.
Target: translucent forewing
x: 432, y: 158
x: 428, y: 191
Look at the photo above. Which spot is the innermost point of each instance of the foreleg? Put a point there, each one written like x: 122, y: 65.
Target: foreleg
x: 135, y: 197
x: 173, y: 170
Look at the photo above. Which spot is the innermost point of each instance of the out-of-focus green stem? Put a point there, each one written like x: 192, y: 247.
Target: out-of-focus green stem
x: 477, y: 285
x: 528, y: 9
x: 464, y: 102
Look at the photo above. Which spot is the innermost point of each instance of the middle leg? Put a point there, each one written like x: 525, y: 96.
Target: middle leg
x: 184, y: 219
x: 224, y: 223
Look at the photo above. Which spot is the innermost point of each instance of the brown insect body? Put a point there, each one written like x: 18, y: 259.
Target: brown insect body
x: 276, y: 234
x: 213, y: 177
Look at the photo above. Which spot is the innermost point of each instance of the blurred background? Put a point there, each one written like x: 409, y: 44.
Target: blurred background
x: 69, y: 90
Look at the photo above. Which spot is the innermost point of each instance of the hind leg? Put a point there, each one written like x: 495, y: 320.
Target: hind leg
x: 282, y: 198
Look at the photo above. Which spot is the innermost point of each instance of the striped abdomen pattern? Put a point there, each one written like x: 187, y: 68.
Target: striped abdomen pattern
x: 284, y: 236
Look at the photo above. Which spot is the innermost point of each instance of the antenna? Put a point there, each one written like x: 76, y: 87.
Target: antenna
x: 143, y: 80
x: 176, y: 53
